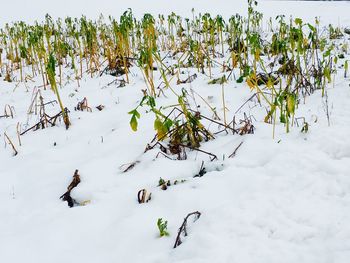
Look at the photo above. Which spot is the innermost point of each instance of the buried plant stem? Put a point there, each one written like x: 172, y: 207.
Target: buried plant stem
x: 183, y: 228
x: 235, y: 151
x: 15, y: 152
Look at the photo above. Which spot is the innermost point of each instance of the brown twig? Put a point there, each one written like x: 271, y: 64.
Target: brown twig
x: 44, y: 120
x: 214, y: 157
x: 235, y: 151
x: 15, y: 152
x: 183, y: 228
x: 129, y: 166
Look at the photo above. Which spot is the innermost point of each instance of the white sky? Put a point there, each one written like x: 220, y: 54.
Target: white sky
x: 30, y: 10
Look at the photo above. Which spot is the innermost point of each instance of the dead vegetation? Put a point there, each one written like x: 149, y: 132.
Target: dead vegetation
x: 67, y: 195
x: 183, y: 228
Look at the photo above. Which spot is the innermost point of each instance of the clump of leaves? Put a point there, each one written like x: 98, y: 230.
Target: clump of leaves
x: 184, y: 130
x: 335, y: 32
x: 192, y: 132
x: 164, y: 184
x: 161, y: 127
x: 220, y: 80
x: 162, y: 227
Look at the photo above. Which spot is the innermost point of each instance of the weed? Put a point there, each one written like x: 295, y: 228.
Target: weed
x: 162, y: 227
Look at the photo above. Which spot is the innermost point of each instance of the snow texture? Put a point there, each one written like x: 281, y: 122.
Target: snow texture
x: 278, y: 200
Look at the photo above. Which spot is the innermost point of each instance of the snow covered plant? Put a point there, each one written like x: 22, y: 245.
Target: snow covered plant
x: 146, y: 50
x: 346, y: 68
x: 162, y: 227
x: 50, y: 68
x: 184, y: 130
x: 282, y: 66
x: 118, y: 47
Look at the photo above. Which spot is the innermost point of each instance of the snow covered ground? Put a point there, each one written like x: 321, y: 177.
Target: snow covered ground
x: 285, y: 199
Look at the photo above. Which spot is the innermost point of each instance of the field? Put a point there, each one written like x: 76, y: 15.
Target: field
x: 180, y: 132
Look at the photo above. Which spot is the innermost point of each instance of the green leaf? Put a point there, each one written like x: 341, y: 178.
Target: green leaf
x: 240, y: 79
x: 220, y: 81
x: 283, y: 118
x: 151, y: 102
x: 135, y: 113
x: 298, y: 21
x: 168, y: 123
x: 327, y: 74
x: 291, y: 100
x: 133, y: 123
x: 312, y: 28
x: 157, y: 124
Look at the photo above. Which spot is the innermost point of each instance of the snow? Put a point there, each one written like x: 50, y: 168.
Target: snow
x: 278, y: 200
x: 336, y: 13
